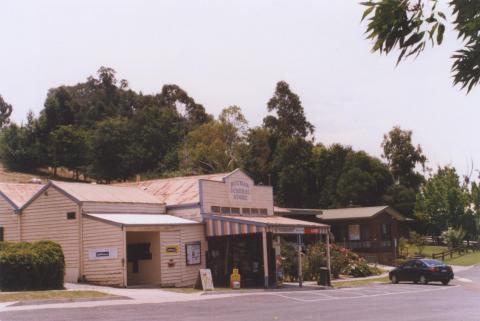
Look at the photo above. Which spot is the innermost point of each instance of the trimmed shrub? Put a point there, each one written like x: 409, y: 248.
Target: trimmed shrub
x: 31, y: 266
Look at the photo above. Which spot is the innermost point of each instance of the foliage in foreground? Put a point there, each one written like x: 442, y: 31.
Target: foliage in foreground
x: 343, y: 262
x: 31, y: 266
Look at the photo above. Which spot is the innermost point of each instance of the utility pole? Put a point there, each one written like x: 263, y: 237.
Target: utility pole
x: 299, y: 249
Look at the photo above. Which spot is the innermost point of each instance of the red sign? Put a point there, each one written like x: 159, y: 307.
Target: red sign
x: 311, y: 230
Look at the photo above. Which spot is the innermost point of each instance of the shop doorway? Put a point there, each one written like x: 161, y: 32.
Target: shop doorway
x: 143, y: 258
x: 243, y: 252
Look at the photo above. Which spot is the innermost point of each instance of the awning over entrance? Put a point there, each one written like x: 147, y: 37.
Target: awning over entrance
x: 141, y: 219
x: 220, y: 225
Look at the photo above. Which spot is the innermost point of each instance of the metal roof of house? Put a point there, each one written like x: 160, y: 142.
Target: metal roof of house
x: 142, y: 219
x: 177, y: 190
x: 357, y: 212
x: 18, y: 194
x: 83, y: 192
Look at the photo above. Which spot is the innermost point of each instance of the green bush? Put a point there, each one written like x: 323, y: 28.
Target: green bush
x: 31, y: 266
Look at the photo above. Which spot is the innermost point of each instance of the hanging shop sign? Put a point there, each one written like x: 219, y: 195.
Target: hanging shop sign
x: 103, y: 253
x: 289, y: 230
x: 239, y: 190
x: 193, y: 253
x: 172, y: 249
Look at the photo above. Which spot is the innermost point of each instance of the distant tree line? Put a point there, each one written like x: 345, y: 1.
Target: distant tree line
x: 102, y: 130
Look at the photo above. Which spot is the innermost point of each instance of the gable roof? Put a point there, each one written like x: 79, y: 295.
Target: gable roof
x: 17, y: 194
x: 83, y: 192
x: 358, y: 213
x: 177, y: 190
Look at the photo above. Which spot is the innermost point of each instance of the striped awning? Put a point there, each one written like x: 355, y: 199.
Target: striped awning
x: 221, y: 225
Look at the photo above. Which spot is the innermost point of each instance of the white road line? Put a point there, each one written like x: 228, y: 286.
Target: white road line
x: 328, y: 297
x: 464, y: 280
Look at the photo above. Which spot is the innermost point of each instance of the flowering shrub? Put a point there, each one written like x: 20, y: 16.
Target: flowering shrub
x: 342, y: 261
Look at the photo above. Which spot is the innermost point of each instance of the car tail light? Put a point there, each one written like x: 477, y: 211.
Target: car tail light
x: 434, y: 269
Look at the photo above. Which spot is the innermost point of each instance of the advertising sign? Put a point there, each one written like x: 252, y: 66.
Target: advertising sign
x: 103, y: 253
x: 172, y: 249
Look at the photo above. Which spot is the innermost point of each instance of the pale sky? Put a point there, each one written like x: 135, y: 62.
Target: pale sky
x: 234, y: 52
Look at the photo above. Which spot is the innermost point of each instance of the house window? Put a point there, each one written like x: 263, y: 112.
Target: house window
x: 2, y: 237
x: 71, y: 215
x: 354, y: 232
x: 246, y: 211
x: 235, y: 210
x: 254, y: 210
x: 263, y: 211
x: 215, y: 209
x: 386, y: 232
x: 225, y: 210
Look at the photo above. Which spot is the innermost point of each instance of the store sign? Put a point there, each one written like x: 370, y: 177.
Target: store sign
x: 289, y: 230
x: 194, y: 253
x: 311, y: 230
x: 239, y: 190
x: 103, y: 253
x: 172, y: 249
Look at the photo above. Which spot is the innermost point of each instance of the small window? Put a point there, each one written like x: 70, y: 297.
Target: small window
x: 263, y: 211
x: 354, y: 232
x: 254, y: 210
x: 225, y: 210
x: 2, y: 238
x: 245, y: 211
x: 71, y: 215
x: 235, y: 210
x: 215, y: 209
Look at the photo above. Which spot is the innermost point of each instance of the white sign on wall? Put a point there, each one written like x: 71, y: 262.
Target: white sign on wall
x: 103, y: 253
x: 239, y: 190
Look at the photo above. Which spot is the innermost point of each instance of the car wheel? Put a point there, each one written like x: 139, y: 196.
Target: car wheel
x: 445, y: 282
x: 394, y: 279
x: 423, y: 279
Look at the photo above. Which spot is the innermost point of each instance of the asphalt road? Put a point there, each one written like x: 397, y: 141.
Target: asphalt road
x: 403, y: 302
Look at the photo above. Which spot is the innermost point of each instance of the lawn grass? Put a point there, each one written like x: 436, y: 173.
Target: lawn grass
x: 471, y: 258
x: 427, y: 251
x: 353, y: 283
x: 51, y: 295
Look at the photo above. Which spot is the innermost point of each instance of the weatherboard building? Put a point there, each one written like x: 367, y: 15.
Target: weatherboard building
x: 158, y: 232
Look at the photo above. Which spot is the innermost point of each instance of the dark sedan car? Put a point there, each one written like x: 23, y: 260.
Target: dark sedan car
x: 423, y: 271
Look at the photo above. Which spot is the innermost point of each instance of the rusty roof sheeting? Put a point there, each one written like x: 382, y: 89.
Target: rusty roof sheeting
x: 84, y: 192
x: 177, y: 190
x: 19, y: 194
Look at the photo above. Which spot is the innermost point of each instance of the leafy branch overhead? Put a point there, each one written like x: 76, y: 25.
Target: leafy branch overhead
x: 409, y: 25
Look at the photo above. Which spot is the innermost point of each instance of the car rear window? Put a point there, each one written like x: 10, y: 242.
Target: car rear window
x: 433, y: 262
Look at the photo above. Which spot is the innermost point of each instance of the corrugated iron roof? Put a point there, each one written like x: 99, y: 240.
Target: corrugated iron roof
x: 83, y: 192
x: 356, y: 212
x: 142, y: 219
x: 19, y: 194
x: 177, y: 190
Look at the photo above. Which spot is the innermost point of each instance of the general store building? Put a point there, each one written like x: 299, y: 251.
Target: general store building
x: 159, y: 232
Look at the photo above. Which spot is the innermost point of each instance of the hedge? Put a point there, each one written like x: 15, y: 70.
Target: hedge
x: 31, y: 266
